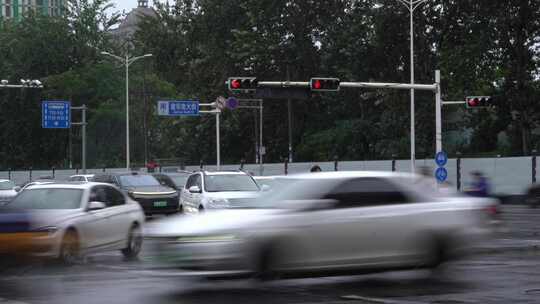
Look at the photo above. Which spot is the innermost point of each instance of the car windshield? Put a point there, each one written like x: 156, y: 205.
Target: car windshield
x: 295, y: 193
x: 51, y: 198
x: 230, y: 182
x: 7, y: 185
x: 138, y: 180
x: 179, y: 180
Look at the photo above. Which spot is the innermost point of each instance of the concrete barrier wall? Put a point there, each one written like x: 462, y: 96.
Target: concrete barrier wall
x: 509, y: 175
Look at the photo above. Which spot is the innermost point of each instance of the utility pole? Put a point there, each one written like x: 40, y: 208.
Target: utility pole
x: 127, y: 61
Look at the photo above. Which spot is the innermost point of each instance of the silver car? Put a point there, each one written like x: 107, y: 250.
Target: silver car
x: 8, y: 190
x: 325, y: 224
x: 67, y: 221
x: 206, y: 190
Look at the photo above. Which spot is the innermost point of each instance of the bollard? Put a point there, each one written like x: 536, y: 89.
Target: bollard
x: 286, y: 166
x: 103, y: 169
x: 335, y: 163
x: 242, y: 161
x: 533, y: 167
x: 30, y: 173
x: 458, y: 173
x: 201, y: 165
x: 9, y: 173
x: 77, y: 170
x: 53, y: 171
x: 393, y: 165
x: 160, y: 168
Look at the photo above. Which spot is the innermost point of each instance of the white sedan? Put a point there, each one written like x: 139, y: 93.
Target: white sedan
x: 68, y: 221
x: 325, y: 224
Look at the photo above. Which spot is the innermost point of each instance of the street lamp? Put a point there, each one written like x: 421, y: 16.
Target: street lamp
x: 412, y: 5
x: 126, y: 61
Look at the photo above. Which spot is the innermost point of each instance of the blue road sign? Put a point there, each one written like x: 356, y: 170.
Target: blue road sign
x: 441, y: 174
x: 232, y: 103
x: 441, y: 158
x: 178, y: 108
x: 55, y: 114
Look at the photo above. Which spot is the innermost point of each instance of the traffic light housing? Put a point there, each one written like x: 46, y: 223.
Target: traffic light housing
x: 478, y: 101
x: 237, y: 84
x: 324, y: 84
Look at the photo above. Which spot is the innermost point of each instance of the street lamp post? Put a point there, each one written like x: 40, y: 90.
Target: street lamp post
x: 127, y: 61
x: 412, y: 5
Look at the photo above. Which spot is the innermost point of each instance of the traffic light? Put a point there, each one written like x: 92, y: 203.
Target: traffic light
x: 324, y: 84
x: 478, y: 101
x: 242, y: 84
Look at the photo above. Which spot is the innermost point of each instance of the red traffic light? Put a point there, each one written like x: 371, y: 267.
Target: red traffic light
x: 317, y: 84
x: 478, y: 101
x: 324, y: 84
x: 242, y: 83
x: 235, y: 84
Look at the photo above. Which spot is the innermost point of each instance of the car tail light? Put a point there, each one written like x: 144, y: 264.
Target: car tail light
x: 492, y: 210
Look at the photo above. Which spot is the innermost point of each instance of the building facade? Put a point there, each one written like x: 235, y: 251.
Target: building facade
x: 16, y: 9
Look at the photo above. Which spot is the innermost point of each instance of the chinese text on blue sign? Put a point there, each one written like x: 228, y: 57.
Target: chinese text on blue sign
x: 55, y: 114
x: 178, y: 108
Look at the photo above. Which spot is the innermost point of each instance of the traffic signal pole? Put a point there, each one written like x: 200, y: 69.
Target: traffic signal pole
x: 435, y: 88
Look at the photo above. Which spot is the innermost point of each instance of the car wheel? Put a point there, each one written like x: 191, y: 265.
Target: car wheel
x: 134, y: 243
x: 201, y: 209
x: 70, y: 250
x: 181, y: 209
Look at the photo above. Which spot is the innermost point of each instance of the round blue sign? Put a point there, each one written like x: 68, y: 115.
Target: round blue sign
x: 232, y: 103
x: 441, y: 158
x: 441, y: 174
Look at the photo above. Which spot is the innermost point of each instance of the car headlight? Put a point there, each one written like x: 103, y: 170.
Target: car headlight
x: 50, y: 230
x: 218, y: 203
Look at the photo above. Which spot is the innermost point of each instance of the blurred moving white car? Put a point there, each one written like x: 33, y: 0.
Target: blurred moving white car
x: 71, y: 220
x: 206, y: 190
x: 327, y: 223
x: 8, y: 190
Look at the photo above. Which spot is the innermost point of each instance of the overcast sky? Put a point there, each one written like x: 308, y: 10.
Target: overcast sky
x: 126, y: 5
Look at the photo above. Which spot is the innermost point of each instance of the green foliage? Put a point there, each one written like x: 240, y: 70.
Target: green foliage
x: 482, y: 47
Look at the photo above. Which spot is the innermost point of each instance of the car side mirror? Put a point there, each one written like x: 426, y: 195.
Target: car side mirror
x: 95, y: 206
x: 265, y: 188
x: 17, y: 189
x: 194, y: 189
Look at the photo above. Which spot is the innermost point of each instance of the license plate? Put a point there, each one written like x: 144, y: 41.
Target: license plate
x: 160, y: 204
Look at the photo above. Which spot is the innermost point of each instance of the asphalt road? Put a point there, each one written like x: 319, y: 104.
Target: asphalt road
x: 506, y: 270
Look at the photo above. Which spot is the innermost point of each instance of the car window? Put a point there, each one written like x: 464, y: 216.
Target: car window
x: 103, y: 178
x: 114, y: 197
x: 165, y: 180
x: 229, y: 182
x: 362, y: 192
x: 194, y: 180
x: 138, y: 180
x: 98, y: 194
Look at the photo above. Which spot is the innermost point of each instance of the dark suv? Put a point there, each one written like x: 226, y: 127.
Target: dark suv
x: 153, y: 197
x: 175, y: 180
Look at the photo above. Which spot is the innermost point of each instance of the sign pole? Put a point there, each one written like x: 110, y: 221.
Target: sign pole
x: 438, y: 114
x: 261, y: 154
x: 218, y: 156
x: 84, y: 139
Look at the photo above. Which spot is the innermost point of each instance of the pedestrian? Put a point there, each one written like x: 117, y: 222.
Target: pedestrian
x: 315, y: 168
x: 479, y: 185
